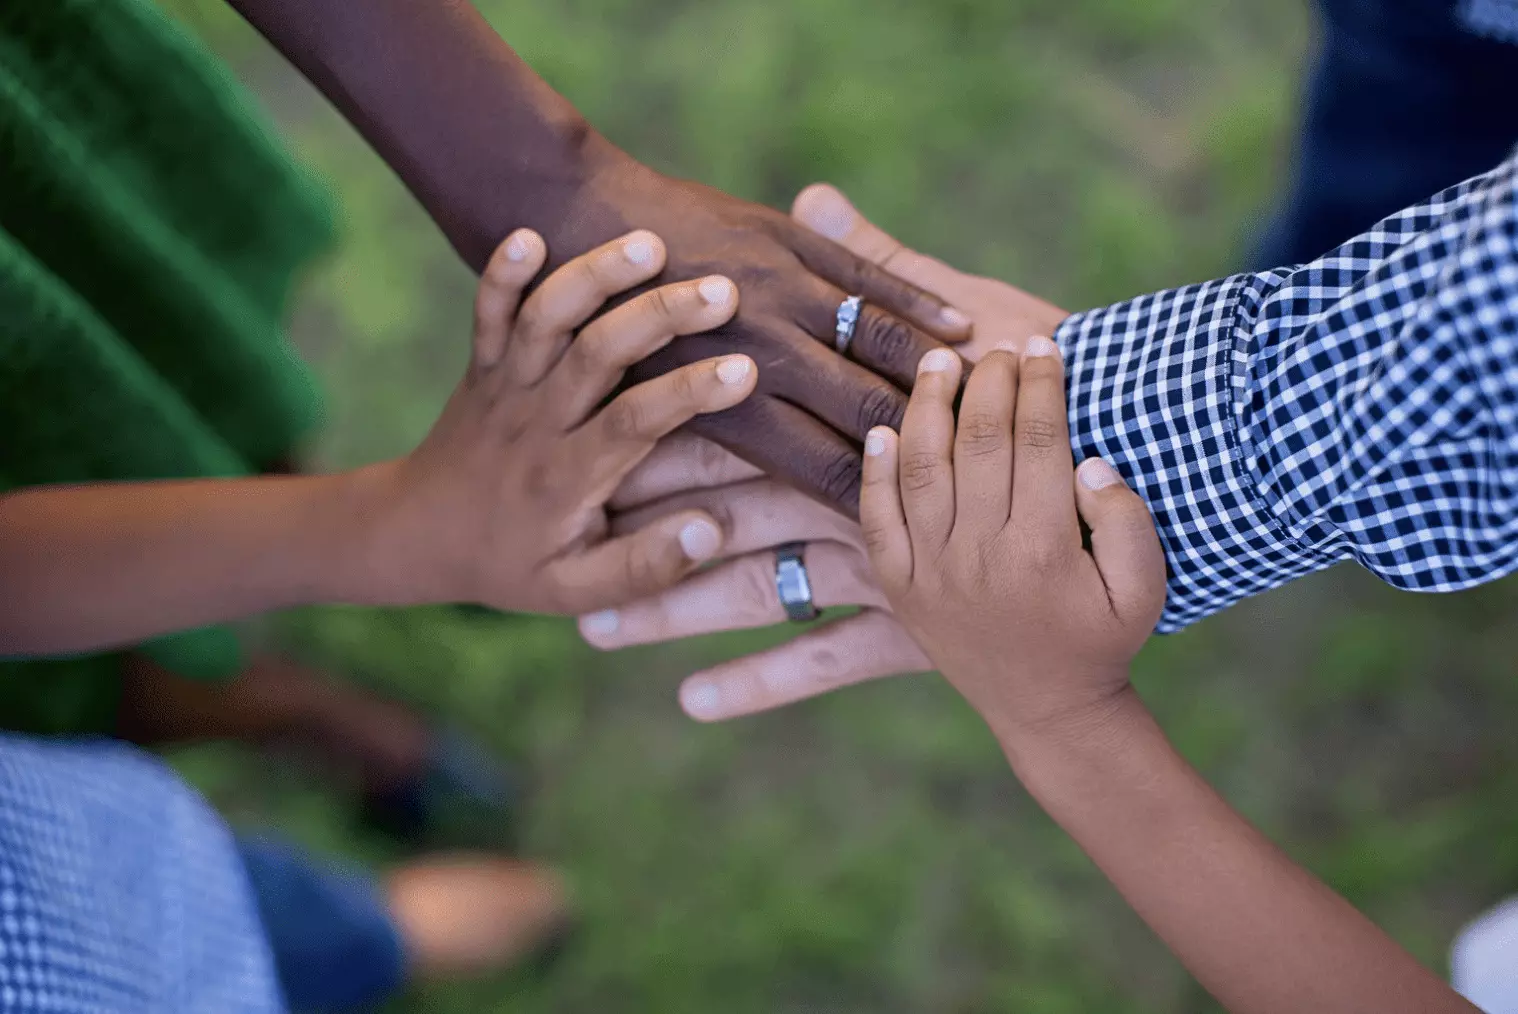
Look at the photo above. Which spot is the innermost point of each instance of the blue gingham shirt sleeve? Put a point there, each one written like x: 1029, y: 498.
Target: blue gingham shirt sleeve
x: 1362, y: 407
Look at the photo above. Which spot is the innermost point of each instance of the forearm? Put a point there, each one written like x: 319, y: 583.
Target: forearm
x: 1259, y: 932
x: 88, y: 567
x: 1356, y: 408
x: 482, y: 141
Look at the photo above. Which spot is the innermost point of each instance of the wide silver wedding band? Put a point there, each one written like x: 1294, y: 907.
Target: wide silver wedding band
x: 793, y: 584
x: 848, y: 320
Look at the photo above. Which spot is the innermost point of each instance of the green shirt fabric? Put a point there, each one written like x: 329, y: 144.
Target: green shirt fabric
x: 151, y: 229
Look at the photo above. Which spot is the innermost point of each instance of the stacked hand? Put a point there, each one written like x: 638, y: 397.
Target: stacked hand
x: 813, y: 406
x: 687, y: 473
x: 504, y: 502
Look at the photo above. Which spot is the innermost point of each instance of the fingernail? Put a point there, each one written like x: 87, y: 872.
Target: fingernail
x: 1097, y: 474
x: 715, y: 290
x: 639, y: 252
x: 603, y: 623
x: 700, y: 540
x: 733, y: 370
x: 874, y: 443
x: 701, y: 700
x: 954, y: 318
x: 1008, y: 345
x: 517, y: 248
x: 831, y: 216
x: 937, y: 361
x: 1042, y: 346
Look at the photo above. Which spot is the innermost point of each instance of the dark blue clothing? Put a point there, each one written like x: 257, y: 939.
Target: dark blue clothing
x: 1406, y: 98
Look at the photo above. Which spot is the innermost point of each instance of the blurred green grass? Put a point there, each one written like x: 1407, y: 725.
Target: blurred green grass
x: 871, y: 851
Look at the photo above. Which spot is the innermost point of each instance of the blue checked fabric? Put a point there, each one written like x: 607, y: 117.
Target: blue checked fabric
x: 120, y: 890
x: 1362, y: 407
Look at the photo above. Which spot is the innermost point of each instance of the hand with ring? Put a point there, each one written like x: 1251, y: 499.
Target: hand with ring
x: 788, y: 556
x: 759, y: 514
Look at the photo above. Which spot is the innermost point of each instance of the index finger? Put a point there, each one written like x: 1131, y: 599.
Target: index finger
x: 1043, y: 499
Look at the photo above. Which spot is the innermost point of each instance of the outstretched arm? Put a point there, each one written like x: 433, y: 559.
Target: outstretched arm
x: 1355, y: 408
x: 487, y: 146
x: 975, y: 532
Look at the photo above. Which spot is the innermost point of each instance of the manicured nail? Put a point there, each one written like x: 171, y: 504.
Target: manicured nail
x: 700, y: 540
x: 875, y: 443
x: 603, y: 623
x: 702, y: 700
x: 517, y: 247
x: 639, y: 252
x: 954, y: 318
x: 831, y: 216
x: 937, y: 361
x: 1097, y: 474
x: 733, y: 370
x: 1042, y: 346
x: 716, y: 290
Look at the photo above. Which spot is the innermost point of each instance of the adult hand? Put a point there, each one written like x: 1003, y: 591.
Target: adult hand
x: 487, y: 147
x: 686, y: 472
x: 813, y: 406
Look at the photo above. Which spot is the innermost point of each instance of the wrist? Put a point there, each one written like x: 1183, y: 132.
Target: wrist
x: 368, y: 558
x: 1062, y: 752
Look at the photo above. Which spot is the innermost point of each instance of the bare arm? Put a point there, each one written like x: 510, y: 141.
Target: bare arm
x: 87, y: 567
x: 487, y: 146
x: 1257, y: 930
x: 502, y: 504
x: 993, y: 578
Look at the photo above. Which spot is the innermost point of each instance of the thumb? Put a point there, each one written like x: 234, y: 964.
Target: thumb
x: 825, y: 210
x: 1123, y: 542
x: 637, y: 565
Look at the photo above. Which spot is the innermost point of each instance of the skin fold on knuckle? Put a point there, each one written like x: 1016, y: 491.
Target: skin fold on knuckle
x: 881, y: 405
x: 839, y: 479
x: 666, y: 305
x: 1037, y: 434
x: 890, y: 341
x: 981, y: 433
x: 1041, y: 555
x: 624, y: 420
x: 755, y: 593
x: 877, y: 537
x: 920, y: 471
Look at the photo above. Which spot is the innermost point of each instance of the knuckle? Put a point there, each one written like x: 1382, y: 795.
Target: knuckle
x: 981, y: 433
x: 919, y: 471
x: 640, y: 568
x: 604, y: 273
x: 840, y: 478
x: 624, y: 419
x: 881, y: 405
x: 1037, y: 434
x: 662, y: 303
x: 890, y: 340
x: 756, y: 593
x: 876, y: 536
x: 586, y: 356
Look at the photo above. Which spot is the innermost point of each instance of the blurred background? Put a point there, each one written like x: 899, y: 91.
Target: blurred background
x: 871, y: 852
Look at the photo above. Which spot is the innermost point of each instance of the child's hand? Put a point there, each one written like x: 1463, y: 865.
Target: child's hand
x: 976, y: 538
x: 504, y: 502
